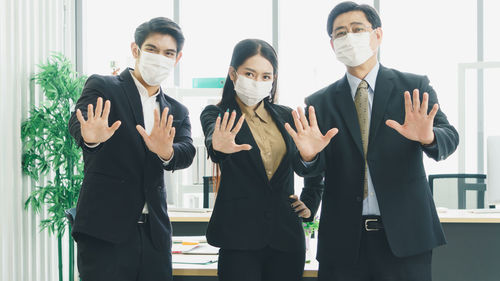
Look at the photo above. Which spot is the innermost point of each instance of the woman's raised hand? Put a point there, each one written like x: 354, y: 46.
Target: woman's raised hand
x: 224, y: 134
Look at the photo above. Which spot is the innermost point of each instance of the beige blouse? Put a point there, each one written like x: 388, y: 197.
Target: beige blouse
x: 267, y: 136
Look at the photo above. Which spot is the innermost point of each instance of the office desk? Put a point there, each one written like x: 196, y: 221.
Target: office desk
x: 189, y: 224
x: 183, y: 272
x: 473, y: 249
x: 472, y: 252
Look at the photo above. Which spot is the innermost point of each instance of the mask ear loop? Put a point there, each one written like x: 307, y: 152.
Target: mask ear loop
x: 139, y: 53
x: 236, y: 75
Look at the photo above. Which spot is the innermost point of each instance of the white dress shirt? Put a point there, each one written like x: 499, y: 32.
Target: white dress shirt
x: 370, y: 203
x: 149, y: 104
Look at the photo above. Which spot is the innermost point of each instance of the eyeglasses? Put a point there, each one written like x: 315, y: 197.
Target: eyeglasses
x: 355, y: 28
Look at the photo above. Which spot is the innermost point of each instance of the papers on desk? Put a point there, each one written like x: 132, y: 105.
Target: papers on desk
x: 200, y: 249
x: 189, y: 210
x: 441, y: 210
x: 485, y: 211
x: 193, y: 245
x: 193, y: 259
x: 203, y: 249
x: 182, y: 249
x: 189, y: 239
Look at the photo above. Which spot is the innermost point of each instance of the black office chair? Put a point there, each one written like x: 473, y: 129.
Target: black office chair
x: 463, y: 187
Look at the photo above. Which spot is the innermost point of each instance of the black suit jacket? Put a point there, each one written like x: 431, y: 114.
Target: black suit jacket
x: 121, y: 174
x: 406, y: 205
x: 252, y: 212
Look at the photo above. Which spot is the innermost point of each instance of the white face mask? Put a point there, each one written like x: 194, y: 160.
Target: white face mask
x: 155, y: 68
x: 250, y: 91
x: 353, y: 49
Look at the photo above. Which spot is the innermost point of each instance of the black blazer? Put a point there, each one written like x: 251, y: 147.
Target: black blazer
x: 121, y: 174
x: 406, y: 204
x: 252, y: 212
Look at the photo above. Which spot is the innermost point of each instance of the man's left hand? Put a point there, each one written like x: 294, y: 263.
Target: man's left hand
x: 161, y: 139
x: 418, y: 123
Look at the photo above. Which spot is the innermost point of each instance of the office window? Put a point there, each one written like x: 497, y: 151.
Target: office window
x: 491, y: 92
x: 108, y: 31
x: 424, y: 37
x: 491, y: 53
x: 307, y: 61
x: 431, y: 38
x: 213, y: 28
x: 491, y: 30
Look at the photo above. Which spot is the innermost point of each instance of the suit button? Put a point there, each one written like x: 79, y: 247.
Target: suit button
x: 359, y: 198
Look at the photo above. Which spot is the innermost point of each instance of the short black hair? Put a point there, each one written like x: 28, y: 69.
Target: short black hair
x: 160, y: 25
x: 348, y: 6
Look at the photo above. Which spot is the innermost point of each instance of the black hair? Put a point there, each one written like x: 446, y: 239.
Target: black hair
x: 159, y: 25
x: 242, y: 51
x: 348, y: 6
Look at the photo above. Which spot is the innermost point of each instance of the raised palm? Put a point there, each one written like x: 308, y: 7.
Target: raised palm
x: 96, y: 129
x: 161, y: 138
x: 418, y: 123
x: 223, y: 137
x: 308, y: 138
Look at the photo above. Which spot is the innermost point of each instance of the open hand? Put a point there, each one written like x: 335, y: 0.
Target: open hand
x: 418, y: 124
x: 308, y: 138
x: 161, y: 139
x: 95, y: 129
x: 224, y: 134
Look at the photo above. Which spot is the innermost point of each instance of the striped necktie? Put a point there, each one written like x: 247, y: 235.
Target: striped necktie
x: 361, y: 103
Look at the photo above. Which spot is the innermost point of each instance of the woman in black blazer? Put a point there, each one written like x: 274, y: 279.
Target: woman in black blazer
x: 256, y: 220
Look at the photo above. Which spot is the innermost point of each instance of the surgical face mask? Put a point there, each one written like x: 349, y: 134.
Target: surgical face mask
x: 250, y: 91
x: 155, y: 68
x: 353, y: 49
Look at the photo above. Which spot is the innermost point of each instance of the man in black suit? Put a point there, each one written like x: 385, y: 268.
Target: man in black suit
x: 378, y: 219
x: 122, y: 226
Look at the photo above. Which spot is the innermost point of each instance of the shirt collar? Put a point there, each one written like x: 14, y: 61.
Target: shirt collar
x: 143, y: 92
x: 259, y: 112
x: 370, y: 78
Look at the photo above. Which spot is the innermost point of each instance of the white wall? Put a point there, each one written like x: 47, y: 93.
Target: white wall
x: 29, y: 31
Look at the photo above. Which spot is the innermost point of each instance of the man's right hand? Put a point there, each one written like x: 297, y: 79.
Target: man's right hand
x: 224, y: 134
x: 95, y: 129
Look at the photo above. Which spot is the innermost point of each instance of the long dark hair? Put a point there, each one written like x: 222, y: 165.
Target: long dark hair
x: 242, y: 51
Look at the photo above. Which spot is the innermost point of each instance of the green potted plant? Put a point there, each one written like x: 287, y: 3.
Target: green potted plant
x: 49, y: 150
x: 310, y: 229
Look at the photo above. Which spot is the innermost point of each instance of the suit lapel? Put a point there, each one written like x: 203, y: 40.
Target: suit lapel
x: 162, y: 100
x: 278, y: 119
x: 383, y: 91
x: 345, y: 105
x: 133, y: 97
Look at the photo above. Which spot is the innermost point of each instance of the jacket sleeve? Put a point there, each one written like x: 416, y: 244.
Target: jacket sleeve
x: 312, y: 193
x: 184, y: 150
x: 91, y: 92
x: 208, y: 117
x: 446, y: 136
